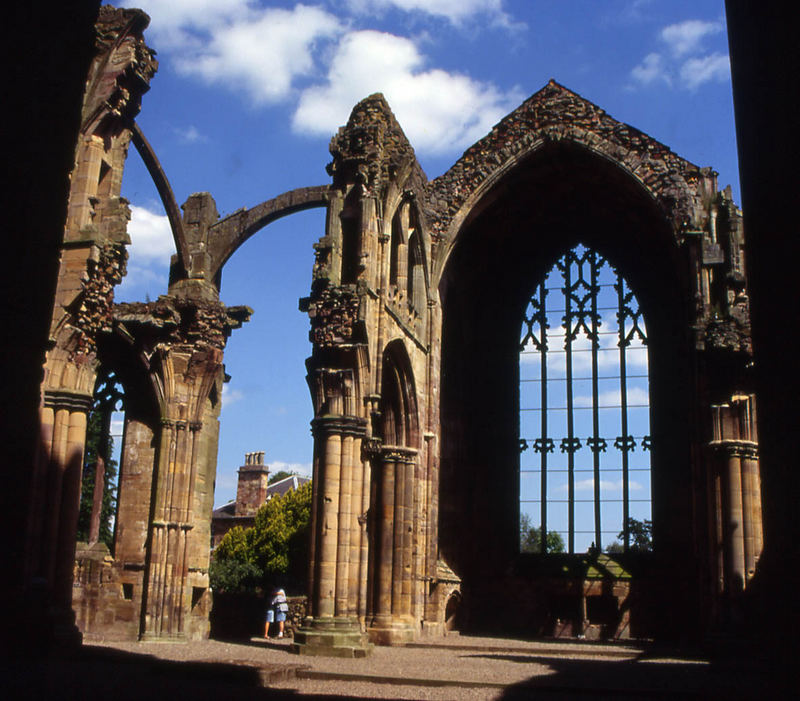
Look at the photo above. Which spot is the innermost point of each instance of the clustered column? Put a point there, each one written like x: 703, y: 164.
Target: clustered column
x: 736, y: 495
x: 392, y: 602
x: 64, y: 418
x: 338, y: 506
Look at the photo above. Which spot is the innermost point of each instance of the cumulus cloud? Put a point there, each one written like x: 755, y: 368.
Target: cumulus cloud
x: 262, y: 54
x: 151, y: 237
x: 696, y: 71
x: 651, y: 70
x: 301, y: 468
x: 587, y: 485
x: 148, y: 254
x: 456, y: 11
x: 173, y: 21
x: 439, y: 111
x: 685, y: 62
x: 190, y: 135
x: 230, y: 396
x: 686, y: 37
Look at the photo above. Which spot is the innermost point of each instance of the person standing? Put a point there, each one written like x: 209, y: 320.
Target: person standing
x: 279, y: 607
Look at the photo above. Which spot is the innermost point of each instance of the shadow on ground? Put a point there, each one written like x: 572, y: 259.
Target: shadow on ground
x: 102, y: 673
x: 649, y: 676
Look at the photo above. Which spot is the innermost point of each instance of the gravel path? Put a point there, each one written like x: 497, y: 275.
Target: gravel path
x: 469, y: 668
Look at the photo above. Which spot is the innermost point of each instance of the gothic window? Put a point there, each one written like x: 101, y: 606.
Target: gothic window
x: 397, y: 257
x: 584, y: 412
x: 416, y: 272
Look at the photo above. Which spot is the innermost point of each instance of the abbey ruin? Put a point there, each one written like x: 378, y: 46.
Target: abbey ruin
x: 420, y: 288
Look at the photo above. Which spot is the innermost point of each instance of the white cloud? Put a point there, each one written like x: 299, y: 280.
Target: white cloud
x: 635, y: 396
x: 651, y: 70
x: 697, y: 71
x: 172, y: 21
x: 262, y: 54
x: 439, y: 111
x: 456, y: 11
x: 587, y: 485
x: 301, y: 468
x: 230, y: 396
x: 685, y: 37
x: 190, y: 134
x: 148, y: 255
x: 686, y: 64
x: 151, y: 237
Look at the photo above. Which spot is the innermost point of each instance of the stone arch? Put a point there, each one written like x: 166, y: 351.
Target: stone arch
x: 680, y: 189
x: 559, y: 195
x: 399, y: 412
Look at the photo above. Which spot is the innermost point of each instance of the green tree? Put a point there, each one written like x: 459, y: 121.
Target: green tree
x: 98, y: 443
x: 640, y: 537
x: 530, y: 538
x: 279, y: 475
x: 276, y: 548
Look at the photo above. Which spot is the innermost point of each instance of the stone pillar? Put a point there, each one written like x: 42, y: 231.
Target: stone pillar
x: 52, y: 536
x: 734, y: 522
x: 333, y: 628
x: 735, y: 500
x: 178, y: 552
x: 392, y: 622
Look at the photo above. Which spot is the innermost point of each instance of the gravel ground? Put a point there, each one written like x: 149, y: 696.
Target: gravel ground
x: 471, y: 669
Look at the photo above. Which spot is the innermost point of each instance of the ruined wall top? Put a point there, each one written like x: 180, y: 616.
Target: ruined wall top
x: 122, y: 71
x: 372, y: 149
x: 554, y: 114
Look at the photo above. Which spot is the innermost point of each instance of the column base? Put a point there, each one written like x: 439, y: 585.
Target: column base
x: 392, y: 632
x: 339, y: 636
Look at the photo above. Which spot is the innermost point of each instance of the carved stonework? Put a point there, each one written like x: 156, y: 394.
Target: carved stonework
x: 555, y: 114
x: 117, y: 83
x: 371, y: 148
x: 92, y: 311
x: 183, y: 321
x: 334, y: 317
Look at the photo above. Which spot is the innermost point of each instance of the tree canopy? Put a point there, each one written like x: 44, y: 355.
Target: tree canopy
x: 530, y: 538
x: 640, y: 537
x: 274, y: 550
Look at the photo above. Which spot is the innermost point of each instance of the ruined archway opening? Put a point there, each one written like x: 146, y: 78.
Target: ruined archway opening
x: 559, y: 197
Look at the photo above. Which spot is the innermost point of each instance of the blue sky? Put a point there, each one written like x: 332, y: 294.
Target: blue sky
x: 249, y: 93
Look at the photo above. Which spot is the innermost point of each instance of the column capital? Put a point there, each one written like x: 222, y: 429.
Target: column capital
x: 63, y: 399
x: 344, y: 425
x: 735, y: 448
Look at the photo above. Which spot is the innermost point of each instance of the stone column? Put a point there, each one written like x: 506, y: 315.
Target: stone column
x: 734, y: 522
x: 176, y: 554
x: 64, y: 436
x: 333, y: 628
x: 391, y: 623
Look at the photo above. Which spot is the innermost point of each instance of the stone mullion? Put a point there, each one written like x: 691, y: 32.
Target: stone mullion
x: 751, y: 504
x: 383, y: 590
x: 734, y: 519
x: 54, y: 486
x: 356, y: 534
x: 343, y: 604
x: 316, y: 525
x: 158, y: 545
x: 330, y: 520
x: 397, y: 537
x: 364, y: 574
x: 70, y: 506
x: 407, y: 538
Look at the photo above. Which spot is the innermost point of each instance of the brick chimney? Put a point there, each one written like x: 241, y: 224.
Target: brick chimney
x: 251, y: 492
